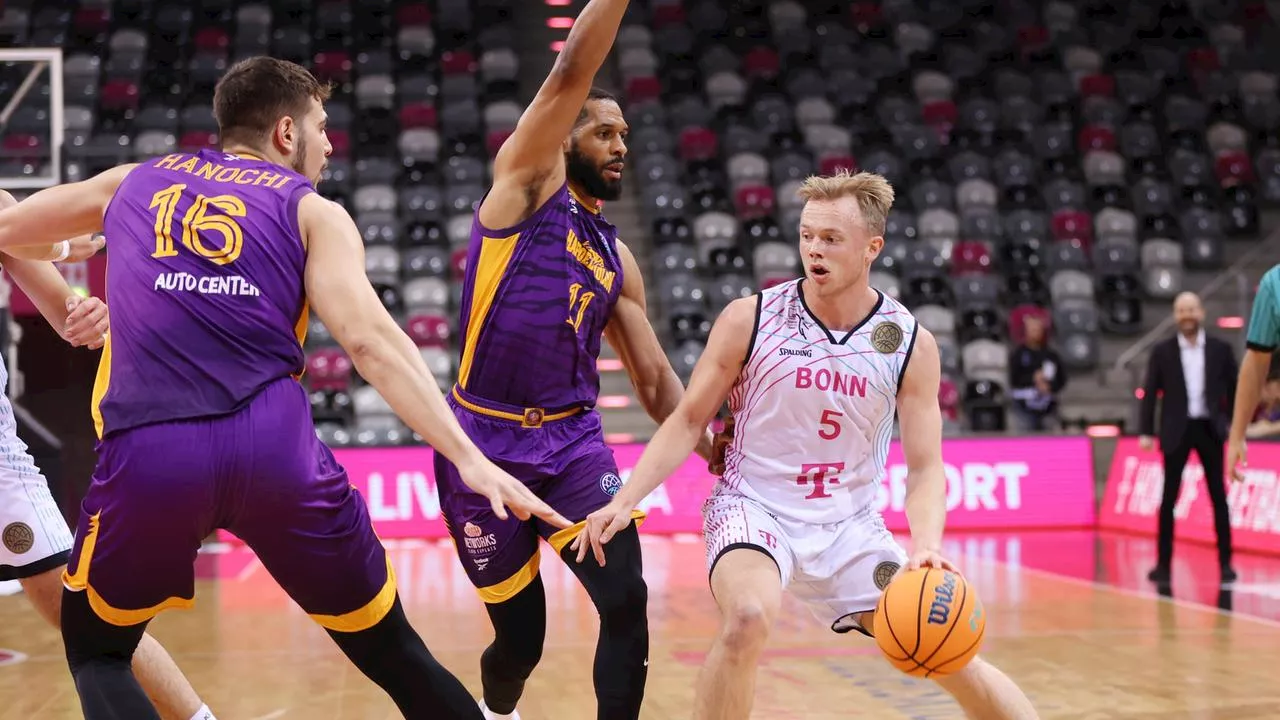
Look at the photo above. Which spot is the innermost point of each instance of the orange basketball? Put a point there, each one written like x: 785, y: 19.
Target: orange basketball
x: 929, y: 622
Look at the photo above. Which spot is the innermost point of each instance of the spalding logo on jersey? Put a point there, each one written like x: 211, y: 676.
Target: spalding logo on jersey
x: 610, y: 483
x: 886, y: 337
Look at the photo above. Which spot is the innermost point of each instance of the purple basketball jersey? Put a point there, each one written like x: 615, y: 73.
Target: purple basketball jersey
x: 535, y: 304
x: 210, y: 307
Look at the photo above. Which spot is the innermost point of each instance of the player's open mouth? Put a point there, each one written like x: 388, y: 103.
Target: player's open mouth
x: 817, y: 271
x: 613, y: 172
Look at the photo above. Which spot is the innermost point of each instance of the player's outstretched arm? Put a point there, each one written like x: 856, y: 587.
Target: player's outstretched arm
x: 629, y: 331
x: 341, y: 295
x: 1263, y: 337
x: 920, y: 430
x: 65, y: 211
x: 712, y: 379
x: 530, y: 164
x: 80, y: 321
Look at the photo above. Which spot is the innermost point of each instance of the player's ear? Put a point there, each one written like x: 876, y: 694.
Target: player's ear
x: 285, y: 134
x: 874, y: 247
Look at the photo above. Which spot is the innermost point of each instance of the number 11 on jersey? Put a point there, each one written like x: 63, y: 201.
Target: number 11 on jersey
x: 578, y: 302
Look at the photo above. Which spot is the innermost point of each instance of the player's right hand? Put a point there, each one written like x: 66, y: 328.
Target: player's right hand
x: 505, y: 492
x: 1237, y: 460
x: 600, y: 527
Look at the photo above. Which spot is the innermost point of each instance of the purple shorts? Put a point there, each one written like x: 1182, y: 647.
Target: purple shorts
x: 159, y: 490
x: 565, y: 462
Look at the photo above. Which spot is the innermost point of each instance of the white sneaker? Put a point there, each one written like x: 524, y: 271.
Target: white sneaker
x: 491, y: 715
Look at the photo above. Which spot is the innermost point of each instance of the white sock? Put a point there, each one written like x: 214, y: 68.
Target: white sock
x: 204, y: 713
x: 491, y: 715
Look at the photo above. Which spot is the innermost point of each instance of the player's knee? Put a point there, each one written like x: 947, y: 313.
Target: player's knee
x: 626, y: 600
x: 746, y: 626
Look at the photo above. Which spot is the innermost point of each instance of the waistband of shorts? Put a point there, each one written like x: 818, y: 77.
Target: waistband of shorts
x: 529, y: 417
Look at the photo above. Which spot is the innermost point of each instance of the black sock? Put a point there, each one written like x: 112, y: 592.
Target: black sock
x: 519, y: 627
x: 393, y: 656
x: 100, y: 656
x: 621, y: 597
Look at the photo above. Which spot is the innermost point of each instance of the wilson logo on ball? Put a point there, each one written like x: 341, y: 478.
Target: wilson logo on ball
x: 943, y: 596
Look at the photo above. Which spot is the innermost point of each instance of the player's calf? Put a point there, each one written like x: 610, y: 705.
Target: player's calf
x: 621, y: 597
x: 99, y: 655
x: 520, y: 626
x: 984, y: 692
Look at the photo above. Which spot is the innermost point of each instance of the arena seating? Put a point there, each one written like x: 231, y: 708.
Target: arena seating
x: 1064, y: 159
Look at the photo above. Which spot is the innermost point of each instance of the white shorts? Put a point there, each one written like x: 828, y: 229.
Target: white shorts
x: 838, y: 570
x: 34, y: 537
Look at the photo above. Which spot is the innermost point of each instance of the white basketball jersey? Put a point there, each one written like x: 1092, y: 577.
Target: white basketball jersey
x: 814, y: 409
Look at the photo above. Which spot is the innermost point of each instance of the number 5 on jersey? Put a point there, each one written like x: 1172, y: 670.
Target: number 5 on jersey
x: 831, y: 427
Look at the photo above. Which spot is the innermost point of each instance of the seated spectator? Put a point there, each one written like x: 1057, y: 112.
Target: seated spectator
x: 1036, y: 376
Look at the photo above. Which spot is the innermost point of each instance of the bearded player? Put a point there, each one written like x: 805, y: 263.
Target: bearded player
x: 216, y: 258
x: 547, y: 278
x: 814, y: 371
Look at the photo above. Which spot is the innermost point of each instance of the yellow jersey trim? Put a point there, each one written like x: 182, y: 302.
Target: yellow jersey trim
x: 491, y: 266
x: 510, y: 587
x: 561, y: 539
x: 367, y: 616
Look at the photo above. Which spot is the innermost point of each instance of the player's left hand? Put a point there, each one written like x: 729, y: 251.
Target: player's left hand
x: 88, y: 321
x: 85, y: 247
x: 599, y: 528
x: 928, y: 559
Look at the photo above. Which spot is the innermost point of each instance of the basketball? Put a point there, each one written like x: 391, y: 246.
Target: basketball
x: 929, y: 622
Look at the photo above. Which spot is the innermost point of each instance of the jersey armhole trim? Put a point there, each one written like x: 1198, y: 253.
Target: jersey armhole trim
x: 911, y: 346
x: 1259, y: 347
x: 755, y: 329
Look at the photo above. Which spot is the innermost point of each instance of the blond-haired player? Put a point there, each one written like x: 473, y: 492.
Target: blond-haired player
x: 814, y: 372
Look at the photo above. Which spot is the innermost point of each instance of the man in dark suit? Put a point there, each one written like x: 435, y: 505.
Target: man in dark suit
x: 1194, y: 377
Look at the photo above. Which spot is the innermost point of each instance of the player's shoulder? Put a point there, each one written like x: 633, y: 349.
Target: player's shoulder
x: 1271, y: 279
x: 741, y: 313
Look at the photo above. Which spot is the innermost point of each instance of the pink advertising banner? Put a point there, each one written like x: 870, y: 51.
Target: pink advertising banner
x: 991, y: 484
x: 1135, y: 486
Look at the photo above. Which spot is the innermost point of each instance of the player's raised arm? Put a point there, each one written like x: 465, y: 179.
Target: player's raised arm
x: 920, y: 430
x: 60, y: 212
x: 709, y: 386
x: 341, y: 295
x: 530, y: 164
x: 629, y: 331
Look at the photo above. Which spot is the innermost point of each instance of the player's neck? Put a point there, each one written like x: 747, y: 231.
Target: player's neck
x: 583, y: 197
x: 244, y: 150
x: 843, y: 309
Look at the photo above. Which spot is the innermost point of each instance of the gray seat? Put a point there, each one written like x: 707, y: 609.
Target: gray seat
x: 1079, y: 351
x: 426, y: 294
x: 1062, y: 193
x: 128, y: 41
x: 726, y: 89
x: 382, y: 264
x: 463, y: 198
x: 463, y: 170
x: 980, y: 223
x: 666, y: 201
x: 1061, y: 256
x: 1075, y: 316
x: 690, y: 111
x: 637, y: 62
x: 1225, y: 137
x: 1021, y: 224
x: 1114, y: 222
x: 932, y: 86
x: 748, y: 169
x: 1103, y: 167
x: 885, y: 164
x: 684, y: 357
x: 900, y: 226
x: 969, y: 165
x: 416, y: 40
x: 375, y: 198
x: 654, y: 169
x: 440, y: 362
x: 1115, y: 258
x: 815, y: 111
x: 886, y: 283
x: 938, y: 224
x: 652, y: 141
x: 425, y: 262
x: 742, y: 139
x: 458, y: 229
x: 791, y: 166
x: 923, y: 259
x: 154, y: 142
x: 936, y: 319
x: 976, y: 193
x: 727, y: 288
x: 256, y: 17
x: 974, y: 291
x: 787, y: 196
x: 459, y: 89
x: 499, y: 64
x: 1203, y: 252
x: 1152, y: 197
x: 930, y: 194
x: 675, y: 259
x: 986, y: 360
x: 714, y: 231
x: 891, y: 257
x: 1199, y: 222
x: 682, y: 293
x: 82, y: 67
x: 827, y: 139
x: 1068, y: 285
x: 775, y: 259
x: 376, y: 91
x: 378, y: 227
x: 421, y: 203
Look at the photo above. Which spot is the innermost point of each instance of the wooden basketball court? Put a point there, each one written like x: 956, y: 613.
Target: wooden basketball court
x: 1082, y: 649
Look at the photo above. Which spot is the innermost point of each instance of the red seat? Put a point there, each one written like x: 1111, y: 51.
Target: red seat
x: 21, y: 145
x: 193, y: 140
x: 212, y: 40
x: 761, y: 63
x: 494, y: 139
x: 1068, y: 224
x: 341, y: 142
x: 91, y: 21
x: 668, y: 16
x: 1032, y: 39
x: 414, y: 15
x: 1234, y: 168
x: 641, y: 89
x: 1018, y: 316
x: 429, y: 330
x: 866, y: 16
x: 832, y: 164
x: 1098, y: 85
x: 1203, y: 60
x: 120, y: 95
x: 949, y: 398
x: 329, y: 369
x: 971, y: 257
x: 939, y: 113
x: 458, y: 263
x: 458, y: 62
x: 754, y: 202
x: 1096, y: 137
x: 332, y: 66
x: 418, y: 115
x: 698, y: 144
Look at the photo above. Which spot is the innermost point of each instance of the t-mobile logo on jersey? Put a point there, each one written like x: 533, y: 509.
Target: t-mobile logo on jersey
x: 816, y: 475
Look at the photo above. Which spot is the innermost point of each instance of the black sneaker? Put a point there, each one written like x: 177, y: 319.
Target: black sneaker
x: 1159, y: 574
x: 1229, y: 574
